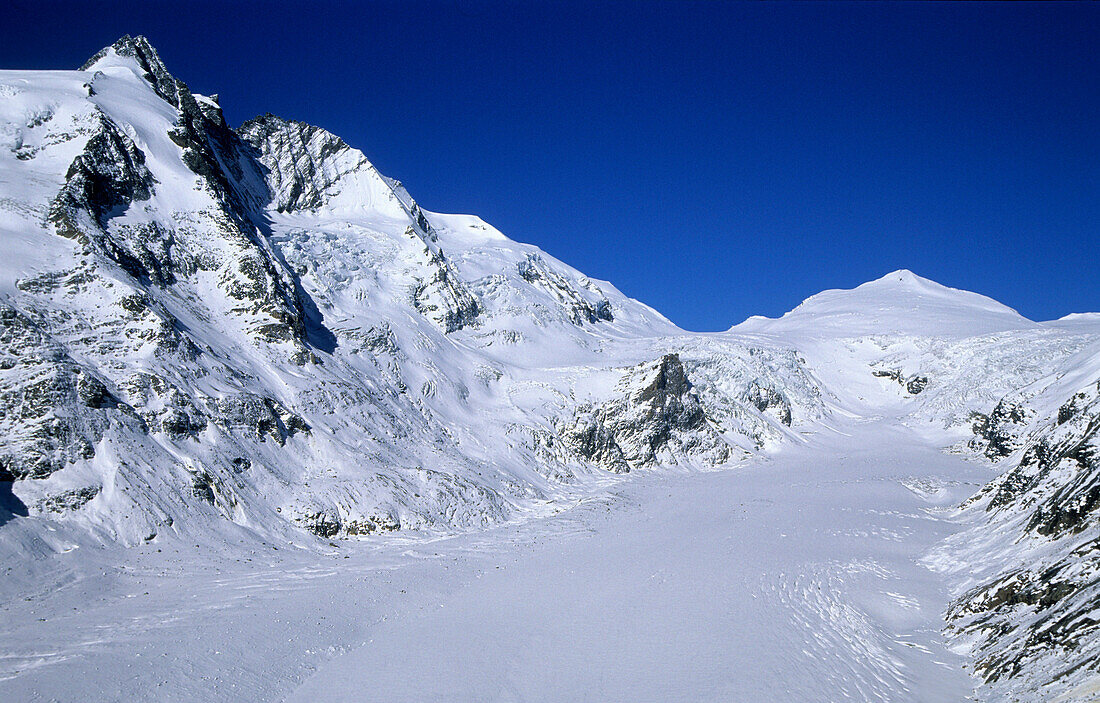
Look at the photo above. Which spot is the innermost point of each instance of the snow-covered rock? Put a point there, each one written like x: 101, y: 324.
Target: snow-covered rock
x: 1028, y: 610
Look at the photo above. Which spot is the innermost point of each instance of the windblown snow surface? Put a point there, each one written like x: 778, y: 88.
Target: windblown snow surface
x: 272, y: 431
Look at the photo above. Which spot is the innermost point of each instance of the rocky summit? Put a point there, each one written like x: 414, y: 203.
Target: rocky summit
x: 249, y: 338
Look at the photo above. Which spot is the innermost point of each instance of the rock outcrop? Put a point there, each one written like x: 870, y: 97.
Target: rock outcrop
x: 913, y: 384
x: 53, y: 410
x: 578, y: 307
x: 657, y: 417
x: 303, y: 163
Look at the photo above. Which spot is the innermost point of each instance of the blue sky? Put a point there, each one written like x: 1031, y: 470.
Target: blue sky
x: 713, y: 160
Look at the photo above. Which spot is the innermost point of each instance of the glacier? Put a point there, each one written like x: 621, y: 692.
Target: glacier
x: 274, y: 431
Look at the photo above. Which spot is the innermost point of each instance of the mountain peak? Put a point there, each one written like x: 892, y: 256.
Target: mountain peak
x: 137, y: 51
x: 901, y: 302
x: 906, y: 279
x: 903, y: 276
x: 137, y: 47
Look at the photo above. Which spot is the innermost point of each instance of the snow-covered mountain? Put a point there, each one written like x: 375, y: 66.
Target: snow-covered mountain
x: 255, y: 326
x: 250, y: 335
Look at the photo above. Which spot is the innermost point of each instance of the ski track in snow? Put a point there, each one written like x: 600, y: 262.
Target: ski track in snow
x: 726, y: 585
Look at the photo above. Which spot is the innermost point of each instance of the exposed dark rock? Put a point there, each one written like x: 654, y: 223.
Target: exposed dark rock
x: 1036, y: 619
x: 256, y: 417
x: 145, y: 251
x: 52, y: 409
x: 220, y: 159
x: 163, y: 406
x: 379, y: 340
x: 658, y: 414
x: 300, y: 160
x: 202, y: 486
x: 303, y: 167
x: 916, y: 383
x: 913, y: 384
x: 201, y: 139
x: 579, y: 309
x: 1029, y: 615
x: 769, y: 400
x: 111, y: 174
x: 442, y: 297
x: 1073, y: 407
x: 65, y: 501
x: 595, y: 441
x: 1071, y: 443
x: 327, y: 523
x: 323, y: 523
x: 1000, y: 430
x: 107, y: 176
x: 147, y: 59
x: 371, y: 525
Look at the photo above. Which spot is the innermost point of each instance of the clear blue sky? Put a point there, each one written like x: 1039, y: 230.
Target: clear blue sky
x: 713, y: 160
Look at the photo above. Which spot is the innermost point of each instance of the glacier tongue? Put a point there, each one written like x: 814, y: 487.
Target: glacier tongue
x: 248, y: 340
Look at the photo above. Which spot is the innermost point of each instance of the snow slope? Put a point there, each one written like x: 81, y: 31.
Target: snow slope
x: 234, y: 361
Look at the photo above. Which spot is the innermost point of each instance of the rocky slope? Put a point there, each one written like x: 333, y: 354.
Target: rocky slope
x: 251, y: 335
x: 1029, y: 606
